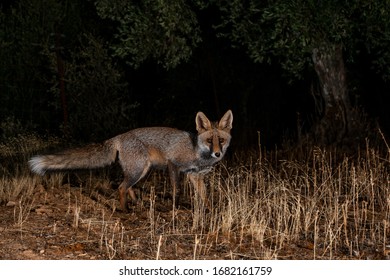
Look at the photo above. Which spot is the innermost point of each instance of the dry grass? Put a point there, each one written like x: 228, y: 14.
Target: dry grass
x: 311, y: 204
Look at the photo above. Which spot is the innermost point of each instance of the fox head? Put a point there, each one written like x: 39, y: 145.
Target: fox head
x: 214, y: 137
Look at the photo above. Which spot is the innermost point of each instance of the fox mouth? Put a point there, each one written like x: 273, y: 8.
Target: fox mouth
x: 207, y: 155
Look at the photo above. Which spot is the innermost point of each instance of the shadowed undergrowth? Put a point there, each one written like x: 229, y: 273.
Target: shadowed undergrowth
x: 316, y: 203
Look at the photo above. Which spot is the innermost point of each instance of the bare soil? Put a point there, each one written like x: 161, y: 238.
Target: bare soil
x: 82, y: 224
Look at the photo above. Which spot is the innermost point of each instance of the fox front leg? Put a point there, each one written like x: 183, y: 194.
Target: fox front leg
x: 197, y: 181
x: 174, y: 177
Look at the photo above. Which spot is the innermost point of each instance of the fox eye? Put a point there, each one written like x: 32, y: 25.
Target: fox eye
x: 221, y: 140
x: 209, y: 140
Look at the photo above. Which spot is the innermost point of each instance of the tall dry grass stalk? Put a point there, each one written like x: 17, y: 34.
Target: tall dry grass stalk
x: 326, y: 203
x: 314, y: 203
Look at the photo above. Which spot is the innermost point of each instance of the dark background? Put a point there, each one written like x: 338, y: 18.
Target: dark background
x: 45, y: 42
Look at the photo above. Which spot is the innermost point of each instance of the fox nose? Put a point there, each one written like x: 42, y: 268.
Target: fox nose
x: 217, y: 154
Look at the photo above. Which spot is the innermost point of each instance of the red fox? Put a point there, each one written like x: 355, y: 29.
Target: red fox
x: 142, y: 149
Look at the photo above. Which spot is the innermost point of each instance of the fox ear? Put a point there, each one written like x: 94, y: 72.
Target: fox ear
x: 202, y: 122
x: 226, y: 122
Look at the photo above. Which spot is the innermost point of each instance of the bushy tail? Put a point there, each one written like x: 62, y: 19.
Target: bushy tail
x: 92, y: 156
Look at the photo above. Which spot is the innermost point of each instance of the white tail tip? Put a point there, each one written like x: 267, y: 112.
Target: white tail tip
x: 36, y: 165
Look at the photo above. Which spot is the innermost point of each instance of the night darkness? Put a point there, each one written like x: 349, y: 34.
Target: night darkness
x: 306, y: 171
x: 104, y: 95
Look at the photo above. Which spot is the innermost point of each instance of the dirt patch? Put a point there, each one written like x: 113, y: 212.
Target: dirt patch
x: 75, y: 223
x: 321, y: 208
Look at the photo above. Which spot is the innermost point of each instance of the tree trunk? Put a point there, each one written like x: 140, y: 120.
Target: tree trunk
x: 329, y: 66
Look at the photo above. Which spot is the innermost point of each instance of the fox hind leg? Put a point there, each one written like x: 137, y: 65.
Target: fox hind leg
x: 126, y: 188
x: 132, y: 174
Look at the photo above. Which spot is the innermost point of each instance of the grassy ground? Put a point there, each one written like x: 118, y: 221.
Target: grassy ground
x: 302, y: 203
